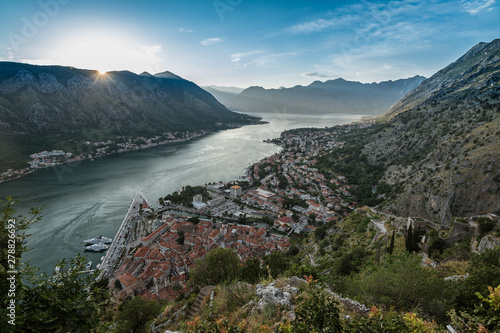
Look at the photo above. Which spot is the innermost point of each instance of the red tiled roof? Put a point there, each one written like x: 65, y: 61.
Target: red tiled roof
x: 167, y: 293
x: 141, y: 252
x: 156, y: 232
x: 155, y: 255
x: 127, y: 280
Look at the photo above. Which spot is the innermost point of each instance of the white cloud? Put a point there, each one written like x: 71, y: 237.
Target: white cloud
x: 184, y: 31
x: 211, y: 41
x: 473, y: 7
x: 312, y: 26
x: 236, y: 57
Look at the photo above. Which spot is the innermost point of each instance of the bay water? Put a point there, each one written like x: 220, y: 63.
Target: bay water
x: 89, y: 199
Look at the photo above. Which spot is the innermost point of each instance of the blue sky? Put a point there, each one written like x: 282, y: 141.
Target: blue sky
x: 243, y: 43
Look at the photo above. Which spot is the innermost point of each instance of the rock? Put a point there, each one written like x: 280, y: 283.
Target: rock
x: 488, y: 243
x: 270, y: 294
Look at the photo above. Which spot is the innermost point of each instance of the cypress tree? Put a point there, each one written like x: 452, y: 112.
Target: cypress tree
x: 409, y: 239
x: 391, y: 245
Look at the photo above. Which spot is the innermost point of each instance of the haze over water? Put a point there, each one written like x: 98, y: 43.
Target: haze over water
x: 93, y: 198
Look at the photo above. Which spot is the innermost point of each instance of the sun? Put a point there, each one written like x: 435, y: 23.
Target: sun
x: 106, y: 53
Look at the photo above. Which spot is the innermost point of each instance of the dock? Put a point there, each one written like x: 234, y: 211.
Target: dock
x: 122, y: 238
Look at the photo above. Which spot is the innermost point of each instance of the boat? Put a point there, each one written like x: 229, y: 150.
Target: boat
x: 97, y: 247
x: 98, y: 240
x: 88, y: 266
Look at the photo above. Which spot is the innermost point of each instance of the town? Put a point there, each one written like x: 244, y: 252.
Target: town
x: 281, y: 196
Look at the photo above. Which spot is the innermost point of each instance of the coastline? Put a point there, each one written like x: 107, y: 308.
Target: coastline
x: 16, y: 174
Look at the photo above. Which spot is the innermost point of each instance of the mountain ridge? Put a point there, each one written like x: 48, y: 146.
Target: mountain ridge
x: 50, y: 104
x: 441, y: 143
x: 332, y: 96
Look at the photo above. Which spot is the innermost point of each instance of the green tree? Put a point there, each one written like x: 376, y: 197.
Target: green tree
x: 69, y: 300
x: 391, y: 245
x: 218, y: 266
x: 320, y: 232
x: 349, y: 262
x: 277, y: 262
x: 316, y: 312
x: 195, y: 219
x: 485, y: 224
x: 180, y: 239
x: 484, y: 271
x: 134, y: 314
x: 409, y: 239
x: 251, y: 272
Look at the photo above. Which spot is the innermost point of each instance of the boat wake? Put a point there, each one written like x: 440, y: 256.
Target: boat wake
x: 77, y: 226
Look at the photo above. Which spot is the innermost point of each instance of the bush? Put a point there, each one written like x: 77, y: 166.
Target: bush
x: 485, y: 224
x: 219, y: 265
x: 404, y: 284
x: 316, y: 312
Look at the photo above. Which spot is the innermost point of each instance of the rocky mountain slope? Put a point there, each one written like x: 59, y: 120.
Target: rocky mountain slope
x: 54, y: 103
x: 441, y: 143
x: 334, y: 96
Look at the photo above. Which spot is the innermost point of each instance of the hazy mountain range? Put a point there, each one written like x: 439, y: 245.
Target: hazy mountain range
x: 223, y: 94
x: 334, y: 96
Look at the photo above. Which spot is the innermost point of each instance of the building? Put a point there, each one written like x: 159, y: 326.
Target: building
x: 215, y: 202
x: 262, y: 194
x: 199, y: 205
x: 236, y: 190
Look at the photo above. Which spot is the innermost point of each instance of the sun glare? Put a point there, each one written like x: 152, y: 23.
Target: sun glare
x: 108, y: 53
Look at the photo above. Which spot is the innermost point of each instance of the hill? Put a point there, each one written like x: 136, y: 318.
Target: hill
x: 441, y: 144
x: 334, y: 96
x: 41, y: 106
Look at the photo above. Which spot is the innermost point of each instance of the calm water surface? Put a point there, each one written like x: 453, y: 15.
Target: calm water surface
x: 91, y: 198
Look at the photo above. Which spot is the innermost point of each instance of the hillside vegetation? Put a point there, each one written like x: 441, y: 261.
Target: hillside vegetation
x: 441, y: 143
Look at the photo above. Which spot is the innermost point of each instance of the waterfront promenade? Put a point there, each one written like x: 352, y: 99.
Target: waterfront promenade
x: 122, y: 238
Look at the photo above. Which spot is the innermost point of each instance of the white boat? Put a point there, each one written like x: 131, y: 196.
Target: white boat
x: 88, y: 266
x: 98, y: 240
x: 97, y: 247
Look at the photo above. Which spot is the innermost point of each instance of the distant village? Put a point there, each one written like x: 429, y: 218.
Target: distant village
x: 281, y: 195
x: 46, y: 159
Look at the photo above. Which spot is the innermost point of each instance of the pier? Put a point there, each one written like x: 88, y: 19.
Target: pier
x: 122, y: 238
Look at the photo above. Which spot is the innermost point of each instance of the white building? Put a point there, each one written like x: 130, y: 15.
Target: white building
x: 236, y: 190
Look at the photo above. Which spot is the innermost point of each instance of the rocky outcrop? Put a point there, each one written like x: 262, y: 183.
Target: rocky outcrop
x: 488, y: 243
x: 271, y: 294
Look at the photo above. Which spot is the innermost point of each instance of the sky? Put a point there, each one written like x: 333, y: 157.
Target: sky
x: 246, y: 43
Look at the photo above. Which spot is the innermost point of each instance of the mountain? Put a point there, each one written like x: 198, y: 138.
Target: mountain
x: 44, y: 105
x: 223, y: 94
x: 334, y: 96
x: 441, y: 142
